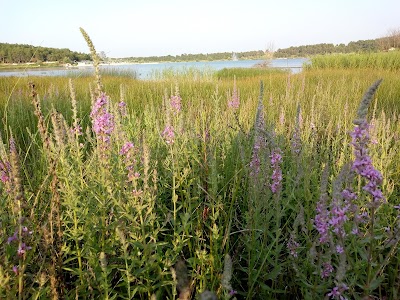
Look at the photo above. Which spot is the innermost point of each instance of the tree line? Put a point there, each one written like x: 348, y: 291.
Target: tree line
x: 257, y: 54
x: 17, y: 53
x: 386, y: 43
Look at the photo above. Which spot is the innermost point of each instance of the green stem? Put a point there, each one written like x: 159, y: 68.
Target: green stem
x: 370, y: 252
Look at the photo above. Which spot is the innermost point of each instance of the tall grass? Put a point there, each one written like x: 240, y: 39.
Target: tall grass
x: 380, y: 61
x: 163, y: 189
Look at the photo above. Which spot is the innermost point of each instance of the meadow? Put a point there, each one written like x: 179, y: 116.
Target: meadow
x: 232, y: 185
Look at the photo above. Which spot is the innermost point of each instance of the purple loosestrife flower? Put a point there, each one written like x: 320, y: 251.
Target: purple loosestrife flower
x: 234, y: 100
x: 259, y: 142
x: 15, y: 270
x: 104, y: 124
x: 338, y: 218
x: 232, y: 293
x: 122, y: 108
x: 77, y: 130
x: 127, y: 151
x: 296, y: 141
x: 337, y: 291
x: 169, y: 134
x: 102, y: 121
x: 321, y: 221
x: 292, y: 246
x: 99, y: 105
x: 339, y: 249
x: 22, y: 249
x: 13, y: 238
x: 276, y: 160
x: 125, y: 148
x: 296, y: 136
x: 362, y: 164
x: 5, y: 170
x: 176, y: 103
x: 326, y: 270
x: 348, y: 195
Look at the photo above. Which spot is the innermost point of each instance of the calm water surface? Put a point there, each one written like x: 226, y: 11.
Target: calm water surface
x: 146, y: 71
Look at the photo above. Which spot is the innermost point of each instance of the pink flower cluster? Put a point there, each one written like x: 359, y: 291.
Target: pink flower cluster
x: 77, y: 130
x: 22, y: 246
x: 292, y: 246
x: 102, y: 120
x: 259, y: 143
x: 122, y: 108
x: 176, y: 103
x: 337, y: 291
x: 234, y: 100
x: 5, y: 170
x: 362, y: 164
x: 276, y: 160
x: 127, y: 151
x: 169, y: 134
x: 125, y: 148
x: 255, y: 162
x: 327, y: 270
x: 321, y: 221
x: 296, y: 141
x: 338, y: 217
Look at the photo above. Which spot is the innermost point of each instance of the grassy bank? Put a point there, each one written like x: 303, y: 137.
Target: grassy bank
x: 167, y: 188
x: 10, y: 67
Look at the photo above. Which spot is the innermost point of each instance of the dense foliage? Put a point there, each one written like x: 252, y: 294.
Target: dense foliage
x: 17, y: 53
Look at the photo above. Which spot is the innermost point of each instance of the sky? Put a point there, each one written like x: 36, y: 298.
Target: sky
x: 123, y: 28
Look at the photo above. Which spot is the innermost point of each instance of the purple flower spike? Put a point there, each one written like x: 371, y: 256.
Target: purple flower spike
x: 276, y: 160
x: 362, y: 164
x: 12, y: 238
x: 169, y: 134
x: 176, y: 103
x: 125, y: 148
x: 327, y: 270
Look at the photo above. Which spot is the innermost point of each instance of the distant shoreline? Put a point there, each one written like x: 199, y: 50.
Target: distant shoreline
x: 53, y: 65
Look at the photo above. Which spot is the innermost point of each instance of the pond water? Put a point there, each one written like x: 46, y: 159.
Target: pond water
x: 148, y: 70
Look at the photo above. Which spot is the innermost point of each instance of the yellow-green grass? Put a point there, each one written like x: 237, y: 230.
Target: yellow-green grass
x: 380, y: 61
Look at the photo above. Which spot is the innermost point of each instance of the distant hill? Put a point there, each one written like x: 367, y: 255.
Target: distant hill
x: 16, y: 53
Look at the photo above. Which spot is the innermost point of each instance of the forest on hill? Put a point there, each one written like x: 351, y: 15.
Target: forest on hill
x: 17, y: 53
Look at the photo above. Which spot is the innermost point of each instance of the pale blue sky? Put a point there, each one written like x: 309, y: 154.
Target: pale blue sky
x: 124, y: 28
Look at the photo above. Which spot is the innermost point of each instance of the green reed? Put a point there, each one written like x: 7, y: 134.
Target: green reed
x: 379, y: 61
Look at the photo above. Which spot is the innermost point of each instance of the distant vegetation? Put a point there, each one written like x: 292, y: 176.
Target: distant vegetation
x: 308, y: 50
x: 392, y: 40
x: 379, y: 61
x: 16, y: 53
x: 258, y: 54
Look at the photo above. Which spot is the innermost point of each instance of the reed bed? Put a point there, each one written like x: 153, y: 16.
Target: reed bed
x: 380, y: 61
x: 276, y: 186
